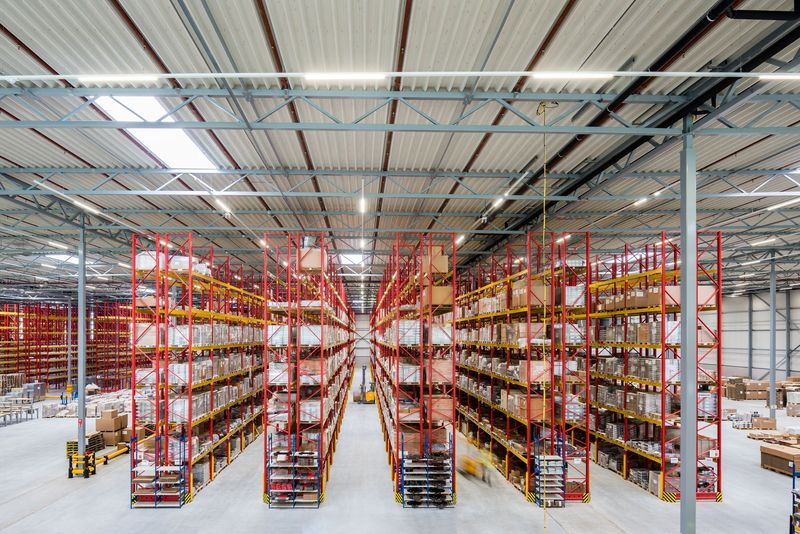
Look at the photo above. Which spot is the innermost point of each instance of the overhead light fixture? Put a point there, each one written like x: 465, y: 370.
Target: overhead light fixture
x: 640, y: 202
x: 752, y: 262
x: 363, y: 243
x: 224, y: 207
x: 784, y: 204
x: 86, y: 207
x: 284, y: 263
x: 100, y: 277
x: 736, y: 295
x: 497, y: 202
x: 460, y: 239
x: 764, y: 242
x: 58, y: 245
x: 344, y: 76
x: 123, y: 265
x: 117, y: 78
x: 561, y: 239
x: 780, y: 76
x: 571, y: 75
x: 362, y: 204
x: 263, y: 243
x: 48, y: 265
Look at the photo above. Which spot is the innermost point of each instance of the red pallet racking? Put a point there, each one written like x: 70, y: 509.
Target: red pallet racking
x: 196, y: 368
x: 309, y: 356
x: 413, y: 363
x: 636, y: 360
x: 521, y: 332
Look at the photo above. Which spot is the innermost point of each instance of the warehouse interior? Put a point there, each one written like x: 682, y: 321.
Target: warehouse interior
x: 352, y: 265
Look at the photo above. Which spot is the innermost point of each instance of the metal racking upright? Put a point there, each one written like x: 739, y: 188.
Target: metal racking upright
x: 309, y: 341
x: 635, y: 366
x: 413, y: 363
x: 10, y: 360
x: 196, y: 369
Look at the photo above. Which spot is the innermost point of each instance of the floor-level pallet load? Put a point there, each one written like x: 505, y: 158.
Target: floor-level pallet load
x: 309, y: 356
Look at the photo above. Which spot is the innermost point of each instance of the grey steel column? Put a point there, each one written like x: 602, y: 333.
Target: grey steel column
x: 688, y: 469
x: 749, y: 335
x: 788, y: 333
x: 773, y: 297
x: 69, y: 341
x: 81, y: 326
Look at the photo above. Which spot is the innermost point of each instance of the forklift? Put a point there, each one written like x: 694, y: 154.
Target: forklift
x: 364, y: 395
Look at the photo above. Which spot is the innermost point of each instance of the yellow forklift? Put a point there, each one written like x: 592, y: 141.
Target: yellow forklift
x: 364, y: 395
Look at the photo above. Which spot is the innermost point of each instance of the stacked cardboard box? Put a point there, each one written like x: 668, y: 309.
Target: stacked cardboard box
x: 779, y: 458
x: 111, y: 424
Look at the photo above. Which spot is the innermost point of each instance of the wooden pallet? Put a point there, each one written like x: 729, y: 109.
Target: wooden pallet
x: 768, y: 468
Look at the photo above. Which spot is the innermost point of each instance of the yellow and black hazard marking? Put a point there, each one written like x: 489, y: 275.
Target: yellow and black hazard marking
x: 587, y: 497
x: 398, y: 497
x: 266, y: 498
x: 669, y: 496
x: 455, y: 498
x: 322, y: 497
x: 530, y: 497
x: 719, y: 496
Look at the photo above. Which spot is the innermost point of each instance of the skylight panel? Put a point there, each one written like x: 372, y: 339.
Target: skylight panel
x: 172, y: 146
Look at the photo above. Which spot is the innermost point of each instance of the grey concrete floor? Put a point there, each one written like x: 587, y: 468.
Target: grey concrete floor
x: 35, y: 494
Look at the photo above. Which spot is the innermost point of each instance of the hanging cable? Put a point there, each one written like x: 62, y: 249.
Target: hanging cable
x: 542, y: 110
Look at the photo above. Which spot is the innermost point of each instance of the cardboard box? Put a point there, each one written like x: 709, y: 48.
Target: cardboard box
x: 764, y: 423
x: 112, y: 438
x: 312, y: 259
x: 793, y: 410
x: 440, y: 265
x: 539, y: 294
x: 436, y: 295
x: 779, y: 458
x: 111, y: 424
x: 109, y: 414
x: 127, y: 434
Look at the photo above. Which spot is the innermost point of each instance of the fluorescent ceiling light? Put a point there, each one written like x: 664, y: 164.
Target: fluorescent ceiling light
x: 262, y: 243
x: 460, y: 239
x: 736, y: 295
x: 344, y: 76
x: 560, y: 239
x: 764, y: 242
x: 753, y: 262
x: 123, y: 265
x: 363, y: 243
x: 780, y: 76
x: 284, y: 263
x: 86, y: 207
x: 498, y: 202
x: 118, y: 78
x: 362, y: 205
x: 224, y: 207
x: 58, y: 245
x: 99, y: 276
x: 173, y: 146
x: 65, y: 258
x: 784, y: 204
x: 640, y: 202
x: 48, y: 265
x: 568, y: 75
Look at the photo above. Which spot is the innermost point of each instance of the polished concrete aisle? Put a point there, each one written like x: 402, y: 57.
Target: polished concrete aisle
x: 37, y: 496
